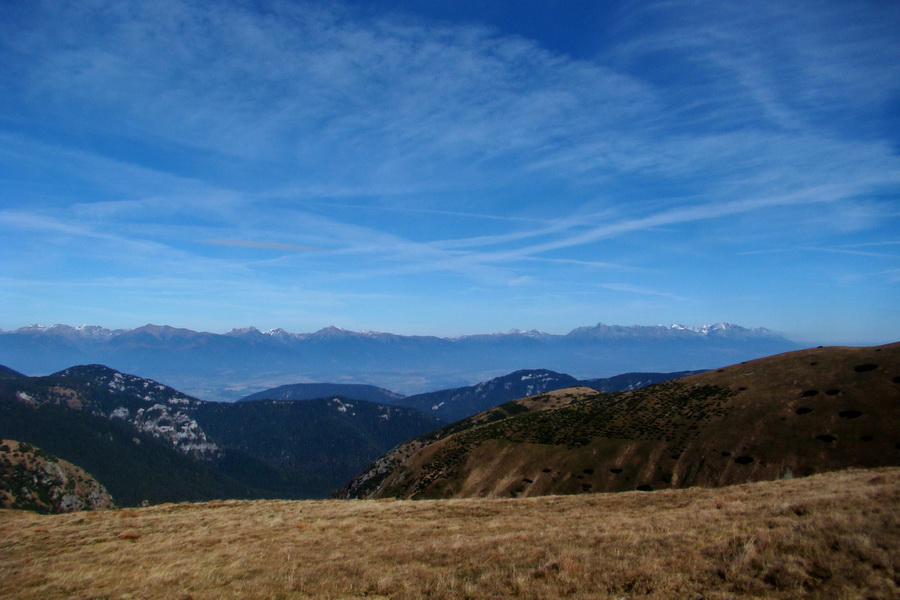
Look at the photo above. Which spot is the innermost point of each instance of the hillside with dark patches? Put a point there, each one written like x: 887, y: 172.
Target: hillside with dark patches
x: 784, y: 416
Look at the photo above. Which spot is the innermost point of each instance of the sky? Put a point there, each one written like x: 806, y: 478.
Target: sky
x: 449, y: 167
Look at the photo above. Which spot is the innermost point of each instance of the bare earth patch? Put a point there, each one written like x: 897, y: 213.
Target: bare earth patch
x: 827, y: 536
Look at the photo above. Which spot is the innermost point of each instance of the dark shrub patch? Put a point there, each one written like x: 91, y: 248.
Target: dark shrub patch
x: 897, y: 379
x: 826, y: 437
x: 849, y: 414
x: 616, y: 471
x: 803, y: 410
x: 866, y: 438
x: 809, y: 393
x: 744, y: 460
x: 586, y: 487
x: 644, y: 488
x: 546, y: 470
x: 832, y: 392
x: 588, y: 471
x: 865, y: 367
x: 742, y: 388
x: 726, y: 453
x: 813, y: 363
x: 526, y: 480
x: 514, y: 408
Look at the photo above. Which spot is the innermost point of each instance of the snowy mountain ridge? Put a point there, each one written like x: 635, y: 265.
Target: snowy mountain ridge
x: 98, y: 332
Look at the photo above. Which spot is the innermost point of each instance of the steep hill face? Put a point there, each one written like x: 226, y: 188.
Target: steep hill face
x: 35, y: 480
x: 787, y: 415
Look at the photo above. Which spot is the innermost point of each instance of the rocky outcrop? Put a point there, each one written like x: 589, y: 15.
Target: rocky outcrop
x: 35, y: 480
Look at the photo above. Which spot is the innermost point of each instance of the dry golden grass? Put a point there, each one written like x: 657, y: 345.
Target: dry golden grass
x: 828, y: 536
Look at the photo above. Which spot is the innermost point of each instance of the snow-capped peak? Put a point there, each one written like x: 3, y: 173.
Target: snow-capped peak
x: 244, y: 331
x: 706, y: 328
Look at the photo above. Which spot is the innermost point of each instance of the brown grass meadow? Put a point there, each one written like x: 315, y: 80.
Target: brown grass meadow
x: 827, y: 536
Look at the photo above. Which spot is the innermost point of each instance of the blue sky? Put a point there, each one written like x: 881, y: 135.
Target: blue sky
x: 451, y: 167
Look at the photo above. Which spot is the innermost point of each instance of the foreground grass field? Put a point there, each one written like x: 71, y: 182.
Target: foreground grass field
x: 828, y: 536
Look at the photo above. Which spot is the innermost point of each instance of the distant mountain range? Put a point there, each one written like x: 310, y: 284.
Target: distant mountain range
x: 232, y: 365
x: 782, y: 416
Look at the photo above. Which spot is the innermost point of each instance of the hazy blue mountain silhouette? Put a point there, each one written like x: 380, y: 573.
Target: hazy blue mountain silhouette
x: 243, y: 361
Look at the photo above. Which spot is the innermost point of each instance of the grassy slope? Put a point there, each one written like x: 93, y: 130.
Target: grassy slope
x: 797, y: 413
x: 827, y: 537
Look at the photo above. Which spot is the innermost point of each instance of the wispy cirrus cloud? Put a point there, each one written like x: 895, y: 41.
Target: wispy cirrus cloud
x: 176, y: 138
x: 263, y: 245
x: 641, y: 291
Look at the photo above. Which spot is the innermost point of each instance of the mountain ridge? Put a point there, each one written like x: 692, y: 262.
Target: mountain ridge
x: 243, y: 361
x: 98, y: 331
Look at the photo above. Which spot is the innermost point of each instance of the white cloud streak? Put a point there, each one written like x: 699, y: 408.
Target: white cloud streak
x: 133, y: 130
x: 263, y: 245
